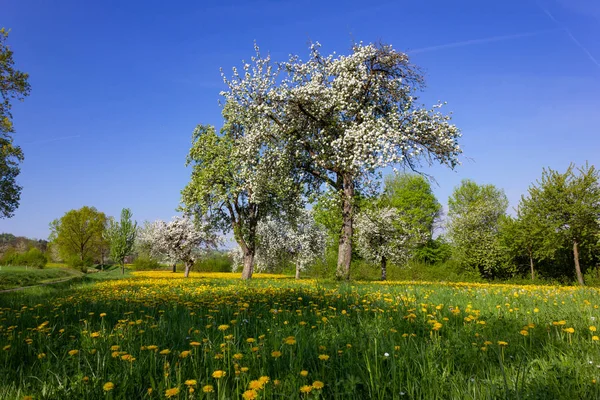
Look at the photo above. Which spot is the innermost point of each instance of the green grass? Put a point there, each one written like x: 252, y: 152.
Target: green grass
x: 14, y: 277
x: 379, y: 341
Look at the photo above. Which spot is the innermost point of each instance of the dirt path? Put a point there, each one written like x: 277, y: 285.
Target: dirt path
x: 39, y: 285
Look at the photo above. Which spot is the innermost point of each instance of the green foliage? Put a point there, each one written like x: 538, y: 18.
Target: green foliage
x: 31, y: 258
x: 76, y: 262
x: 566, y: 208
x: 412, y: 195
x: 144, y: 263
x: 120, y: 236
x: 14, y: 277
x: 433, y: 252
x: 214, y: 262
x: 79, y: 234
x: 475, y: 212
x: 14, y: 85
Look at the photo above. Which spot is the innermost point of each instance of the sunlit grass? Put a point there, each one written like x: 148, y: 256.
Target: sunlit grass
x: 213, y: 336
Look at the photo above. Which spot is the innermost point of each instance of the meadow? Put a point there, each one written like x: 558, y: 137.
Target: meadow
x: 156, y: 335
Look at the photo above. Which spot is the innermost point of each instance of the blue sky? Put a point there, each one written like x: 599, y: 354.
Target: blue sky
x: 118, y: 87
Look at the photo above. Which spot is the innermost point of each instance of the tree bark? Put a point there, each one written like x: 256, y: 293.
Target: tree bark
x: 576, y: 259
x: 531, y: 265
x: 345, y: 246
x: 188, y: 268
x: 297, y: 272
x: 123, y: 267
x: 383, y: 268
x: 248, y: 264
x: 174, y: 268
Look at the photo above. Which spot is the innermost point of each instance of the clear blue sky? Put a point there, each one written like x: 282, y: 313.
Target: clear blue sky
x: 118, y: 86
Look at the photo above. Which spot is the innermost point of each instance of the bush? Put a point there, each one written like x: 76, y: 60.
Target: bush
x: 31, y: 258
x: 144, y: 263
x: 214, y: 262
x: 82, y: 265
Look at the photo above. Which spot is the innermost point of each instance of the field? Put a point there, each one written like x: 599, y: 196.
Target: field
x: 14, y: 277
x: 156, y: 335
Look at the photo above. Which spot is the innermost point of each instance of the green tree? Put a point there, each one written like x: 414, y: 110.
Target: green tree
x: 568, y: 205
x: 79, y: 234
x: 233, y: 195
x: 120, y: 236
x: 475, y: 212
x: 14, y: 85
x: 412, y: 196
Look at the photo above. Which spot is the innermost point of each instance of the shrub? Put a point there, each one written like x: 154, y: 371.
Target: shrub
x: 144, y: 263
x: 214, y: 262
x: 82, y: 265
x: 34, y: 257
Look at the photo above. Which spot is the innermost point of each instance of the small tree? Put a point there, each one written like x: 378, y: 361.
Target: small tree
x: 568, y: 205
x: 79, y: 234
x: 301, y: 241
x: 121, y: 237
x: 180, y: 240
x: 384, y: 235
x: 475, y: 212
x: 340, y: 120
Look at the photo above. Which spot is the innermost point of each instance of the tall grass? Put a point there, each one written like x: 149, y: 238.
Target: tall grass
x: 158, y: 335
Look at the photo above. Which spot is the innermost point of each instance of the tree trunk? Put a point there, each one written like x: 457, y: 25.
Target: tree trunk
x: 383, y: 268
x: 188, y: 268
x: 123, y: 267
x: 531, y: 265
x: 577, y: 266
x: 345, y: 247
x: 174, y: 268
x: 297, y: 272
x: 248, y: 264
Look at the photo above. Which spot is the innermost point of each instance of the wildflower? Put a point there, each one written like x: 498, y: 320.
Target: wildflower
x: 149, y: 391
x: 115, y: 348
x: 95, y: 335
x: 223, y: 328
x: 592, y: 328
x: 502, y: 343
x: 595, y: 338
x: 250, y: 340
x: 569, y: 330
x: 304, y: 373
x: 290, y: 340
x: 318, y: 385
x: 195, y: 344
x: 264, y: 379
x: 323, y: 357
x: 250, y: 395
x: 208, y: 389
x: 41, y: 355
x: 524, y: 332
x: 306, y: 389
x: 238, y: 356
x: 108, y: 386
x: 276, y: 354
x: 218, y: 374
x: 255, y: 385
x: 184, y: 354
x: 171, y: 392
x: 102, y: 315
x: 191, y: 382
x: 73, y: 352
x: 165, y: 352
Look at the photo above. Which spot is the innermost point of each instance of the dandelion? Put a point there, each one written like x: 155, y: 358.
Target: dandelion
x: 165, y: 352
x: 171, y: 392
x: 592, y: 328
x: 304, y: 373
x: 108, y: 386
x: 218, y: 374
x: 323, y: 357
x: 184, y: 354
x: 41, y: 355
x: 191, y: 382
x: 95, y: 335
x: 595, y: 338
x: 502, y: 343
x: 223, y: 328
x: 524, y: 332
x: 102, y: 315
x: 318, y: 385
x: 276, y: 354
x: 208, y: 388
x: 73, y: 352
x: 250, y: 395
x: 569, y: 330
x: 195, y: 344
x: 306, y: 389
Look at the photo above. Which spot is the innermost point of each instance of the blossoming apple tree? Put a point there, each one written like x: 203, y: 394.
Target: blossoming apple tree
x: 181, y: 239
x: 340, y: 119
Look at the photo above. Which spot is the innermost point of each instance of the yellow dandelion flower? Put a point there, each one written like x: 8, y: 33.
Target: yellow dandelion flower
x: 73, y: 352
x: 255, y: 385
x: 318, y: 385
x: 218, y: 374
x: 323, y: 357
x: 108, y: 386
x: 502, y: 343
x: 595, y: 338
x: 191, y: 382
x: 304, y: 373
x: 171, y: 392
x: 592, y: 328
x: 195, y: 344
x: 306, y: 389
x: 165, y: 352
x: 524, y: 332
x: 223, y: 327
x: 184, y: 354
x: 569, y: 330
x: 208, y: 389
x: 250, y: 395
x: 276, y: 354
